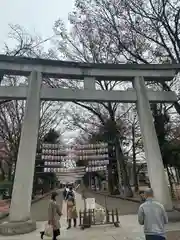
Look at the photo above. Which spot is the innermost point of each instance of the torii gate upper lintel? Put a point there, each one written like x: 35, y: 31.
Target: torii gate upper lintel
x: 36, y: 69
x: 89, y: 73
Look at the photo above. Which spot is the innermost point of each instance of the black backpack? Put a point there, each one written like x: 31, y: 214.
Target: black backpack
x: 70, y: 194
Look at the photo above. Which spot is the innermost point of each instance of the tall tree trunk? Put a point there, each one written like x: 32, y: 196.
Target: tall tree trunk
x: 10, y: 176
x: 177, y: 174
x: 135, y: 176
x: 2, y: 174
x: 90, y: 178
x: 110, y: 179
x: 126, y: 189
x: 170, y: 182
x: 173, y: 177
x: 109, y: 168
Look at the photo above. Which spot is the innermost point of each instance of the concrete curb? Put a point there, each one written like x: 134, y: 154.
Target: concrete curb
x: 113, y: 196
x: 177, y: 209
x: 43, y: 196
x: 4, y: 215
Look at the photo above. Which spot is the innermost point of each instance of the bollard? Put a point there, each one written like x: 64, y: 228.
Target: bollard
x: 117, y: 216
x: 112, y: 215
x: 89, y: 213
x: 116, y: 224
x: 105, y: 201
x: 94, y: 219
x: 107, y: 216
x: 80, y: 218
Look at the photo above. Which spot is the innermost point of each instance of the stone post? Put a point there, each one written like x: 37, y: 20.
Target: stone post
x: 151, y: 146
x: 20, y: 217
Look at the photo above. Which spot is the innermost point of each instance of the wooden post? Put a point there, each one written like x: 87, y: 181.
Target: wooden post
x: 117, y: 216
x: 112, y: 215
x: 89, y: 213
x: 94, y: 220
x: 105, y: 201
x: 80, y: 218
x: 107, y: 216
x: 86, y: 222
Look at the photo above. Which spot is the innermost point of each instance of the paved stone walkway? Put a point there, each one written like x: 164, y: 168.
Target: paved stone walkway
x: 129, y: 228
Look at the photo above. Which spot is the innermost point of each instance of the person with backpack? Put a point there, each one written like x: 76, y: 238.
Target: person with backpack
x: 71, y: 208
x: 71, y: 211
x: 70, y: 192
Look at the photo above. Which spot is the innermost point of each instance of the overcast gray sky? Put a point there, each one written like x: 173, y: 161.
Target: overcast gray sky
x: 36, y: 16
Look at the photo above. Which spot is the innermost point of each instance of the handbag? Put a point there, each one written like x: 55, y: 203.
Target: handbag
x: 74, y: 212
x: 48, y: 232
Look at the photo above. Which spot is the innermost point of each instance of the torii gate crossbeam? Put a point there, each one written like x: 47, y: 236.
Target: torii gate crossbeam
x: 85, y: 95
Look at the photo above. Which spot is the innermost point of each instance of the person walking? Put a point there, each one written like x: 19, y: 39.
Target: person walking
x: 142, y: 196
x: 54, y: 215
x: 66, y: 190
x: 70, y: 192
x: 71, y: 211
x: 153, y: 216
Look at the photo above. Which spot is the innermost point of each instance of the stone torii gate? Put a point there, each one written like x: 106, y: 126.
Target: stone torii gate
x: 36, y: 69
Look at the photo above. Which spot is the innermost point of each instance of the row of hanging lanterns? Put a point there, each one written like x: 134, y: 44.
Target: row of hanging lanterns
x: 91, y: 146
x: 96, y: 168
x: 92, y: 157
x: 52, y: 146
x: 52, y: 163
x: 69, y: 157
x: 101, y: 163
x: 72, y: 171
x: 52, y: 170
x: 86, y: 157
x: 50, y: 157
x: 60, y: 170
x: 76, y: 147
x: 51, y: 151
x: 92, y: 151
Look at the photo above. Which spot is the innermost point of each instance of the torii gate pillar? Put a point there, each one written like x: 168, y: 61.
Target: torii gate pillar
x: 151, y: 146
x: 20, y: 217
